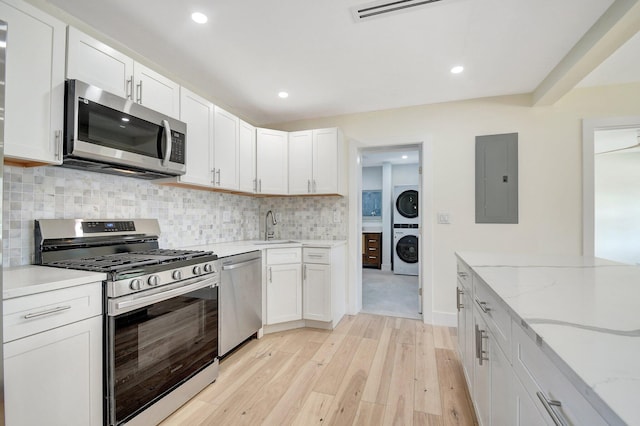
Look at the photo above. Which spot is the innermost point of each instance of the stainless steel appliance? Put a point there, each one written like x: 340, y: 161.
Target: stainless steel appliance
x: 109, y: 134
x: 3, y: 55
x: 161, y: 312
x: 240, y: 299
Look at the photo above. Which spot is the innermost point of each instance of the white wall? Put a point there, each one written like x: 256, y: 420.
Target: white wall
x: 405, y: 174
x: 372, y: 178
x: 550, y: 165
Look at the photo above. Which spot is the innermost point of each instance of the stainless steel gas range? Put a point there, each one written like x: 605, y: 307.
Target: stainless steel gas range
x: 160, y: 312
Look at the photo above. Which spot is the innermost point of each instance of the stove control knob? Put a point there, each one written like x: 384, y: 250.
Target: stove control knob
x: 135, y: 284
x: 208, y: 268
x: 177, y: 275
x: 197, y: 270
x: 153, y: 280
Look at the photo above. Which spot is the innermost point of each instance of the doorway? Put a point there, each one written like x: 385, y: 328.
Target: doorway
x: 391, y: 231
x: 611, y: 160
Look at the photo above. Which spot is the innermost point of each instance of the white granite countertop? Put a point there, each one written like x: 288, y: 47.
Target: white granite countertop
x: 20, y: 281
x: 238, y: 247
x: 585, y: 310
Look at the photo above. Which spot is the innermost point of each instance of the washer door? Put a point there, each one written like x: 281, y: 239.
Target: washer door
x: 407, y: 249
x: 407, y: 204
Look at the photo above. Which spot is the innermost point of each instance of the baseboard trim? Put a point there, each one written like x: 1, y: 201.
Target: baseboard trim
x: 447, y: 319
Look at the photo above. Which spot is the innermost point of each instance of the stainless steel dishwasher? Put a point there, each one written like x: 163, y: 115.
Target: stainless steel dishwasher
x: 240, y: 298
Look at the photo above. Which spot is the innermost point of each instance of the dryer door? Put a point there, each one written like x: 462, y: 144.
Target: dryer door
x: 407, y: 204
x: 407, y: 249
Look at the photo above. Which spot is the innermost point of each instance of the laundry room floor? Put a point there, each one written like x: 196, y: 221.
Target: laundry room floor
x: 385, y: 293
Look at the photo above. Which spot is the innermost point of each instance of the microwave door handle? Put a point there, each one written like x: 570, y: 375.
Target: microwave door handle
x: 167, y: 135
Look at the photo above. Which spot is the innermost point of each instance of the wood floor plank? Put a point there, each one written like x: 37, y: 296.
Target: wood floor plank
x: 293, y: 400
x: 360, y: 325
x: 345, y: 324
x: 231, y: 408
x: 399, y: 409
x: 379, y: 376
x: 194, y: 413
x: 427, y: 390
x: 375, y: 328
x: 261, y: 403
x: 334, y: 373
x: 369, y: 414
x: 329, y: 348
x: 456, y: 407
x: 407, y: 331
x: 315, y: 410
x: 442, y: 338
x: 425, y: 419
x: 345, y: 405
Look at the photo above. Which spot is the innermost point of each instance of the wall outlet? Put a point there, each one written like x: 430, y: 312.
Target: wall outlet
x: 444, y: 218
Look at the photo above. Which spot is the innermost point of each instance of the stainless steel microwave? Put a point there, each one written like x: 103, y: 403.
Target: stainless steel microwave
x: 109, y: 134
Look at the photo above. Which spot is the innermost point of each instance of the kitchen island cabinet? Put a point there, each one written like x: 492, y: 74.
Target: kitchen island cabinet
x: 52, y: 346
x: 100, y: 65
x: 35, y: 85
x: 549, y: 338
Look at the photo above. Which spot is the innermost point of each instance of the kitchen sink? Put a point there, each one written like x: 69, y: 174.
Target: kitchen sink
x: 259, y: 243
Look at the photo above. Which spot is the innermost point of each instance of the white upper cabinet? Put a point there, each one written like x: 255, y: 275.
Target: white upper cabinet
x: 272, y: 164
x: 34, y: 91
x: 225, y: 151
x: 95, y: 63
x: 247, y: 149
x: 301, y: 162
x: 156, y: 91
x: 100, y: 65
x: 315, y: 162
x: 197, y: 112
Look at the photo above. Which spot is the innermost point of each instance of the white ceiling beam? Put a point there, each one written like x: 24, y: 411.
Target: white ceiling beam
x: 617, y: 25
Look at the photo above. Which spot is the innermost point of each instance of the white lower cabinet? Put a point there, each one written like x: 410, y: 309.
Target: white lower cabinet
x: 53, y: 357
x: 316, y: 291
x: 481, y: 371
x: 526, y: 413
x: 284, y: 285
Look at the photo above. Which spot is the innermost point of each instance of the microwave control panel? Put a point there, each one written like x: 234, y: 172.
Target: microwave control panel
x: 177, y: 148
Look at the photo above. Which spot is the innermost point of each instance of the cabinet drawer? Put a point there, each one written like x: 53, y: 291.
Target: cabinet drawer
x: 282, y: 256
x: 542, y: 379
x: 464, y: 275
x: 316, y: 255
x: 24, y: 316
x: 494, y: 313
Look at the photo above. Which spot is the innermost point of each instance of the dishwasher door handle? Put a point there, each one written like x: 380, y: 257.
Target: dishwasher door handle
x: 240, y: 265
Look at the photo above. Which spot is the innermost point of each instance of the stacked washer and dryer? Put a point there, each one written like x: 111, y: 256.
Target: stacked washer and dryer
x: 406, y: 229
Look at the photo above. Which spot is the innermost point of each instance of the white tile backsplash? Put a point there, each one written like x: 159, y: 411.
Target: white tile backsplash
x: 187, y: 217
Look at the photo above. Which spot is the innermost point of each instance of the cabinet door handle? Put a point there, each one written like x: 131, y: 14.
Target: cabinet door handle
x: 213, y: 176
x: 255, y: 185
x: 139, y: 92
x: 129, y: 88
x: 315, y: 186
x: 270, y: 275
x: 218, y: 172
x: 58, y: 143
x: 458, y: 294
x: 304, y: 276
x: 480, y: 352
x: 259, y: 185
x: 462, y: 274
x: 483, y: 306
x: 47, y: 312
x: 309, y: 186
x: 549, y: 406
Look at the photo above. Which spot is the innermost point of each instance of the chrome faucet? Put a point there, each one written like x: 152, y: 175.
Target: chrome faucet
x: 269, y: 235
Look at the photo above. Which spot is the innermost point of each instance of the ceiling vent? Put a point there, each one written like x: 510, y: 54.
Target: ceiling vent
x: 376, y: 9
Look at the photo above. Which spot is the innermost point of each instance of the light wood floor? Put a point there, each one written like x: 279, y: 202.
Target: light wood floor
x: 371, y: 370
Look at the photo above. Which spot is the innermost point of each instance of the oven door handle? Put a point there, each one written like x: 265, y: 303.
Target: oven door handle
x: 129, y: 305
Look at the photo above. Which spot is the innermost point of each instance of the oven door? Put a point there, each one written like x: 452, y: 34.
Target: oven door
x: 157, y: 341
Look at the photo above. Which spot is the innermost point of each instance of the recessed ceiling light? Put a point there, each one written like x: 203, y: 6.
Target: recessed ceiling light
x: 125, y: 119
x: 283, y: 95
x: 404, y: 157
x: 200, y: 18
x: 457, y: 69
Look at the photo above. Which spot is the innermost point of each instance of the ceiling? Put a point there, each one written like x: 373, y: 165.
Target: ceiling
x: 330, y: 64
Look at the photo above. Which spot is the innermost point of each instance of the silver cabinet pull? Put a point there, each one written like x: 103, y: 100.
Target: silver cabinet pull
x: 213, y: 176
x: 458, y: 294
x: 255, y: 185
x: 47, y: 312
x: 58, y: 143
x: 480, y: 335
x: 315, y: 186
x: 129, y: 88
x: 270, y: 275
x: 259, y: 185
x: 549, y: 406
x: 139, y: 92
x: 462, y: 274
x: 483, y: 306
x: 309, y: 186
x: 218, y: 172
